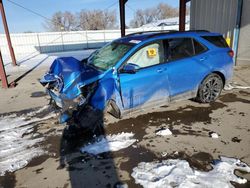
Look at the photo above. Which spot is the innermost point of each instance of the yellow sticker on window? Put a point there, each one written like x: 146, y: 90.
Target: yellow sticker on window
x: 151, y: 52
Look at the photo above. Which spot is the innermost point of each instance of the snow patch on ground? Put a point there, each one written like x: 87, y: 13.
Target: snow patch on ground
x: 213, y: 135
x: 109, y: 143
x: 178, y: 173
x: 164, y: 132
x: 231, y: 86
x: 17, y: 143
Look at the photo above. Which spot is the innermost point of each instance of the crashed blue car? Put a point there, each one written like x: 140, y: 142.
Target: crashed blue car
x: 141, y: 71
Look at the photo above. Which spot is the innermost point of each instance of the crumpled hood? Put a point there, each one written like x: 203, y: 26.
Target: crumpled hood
x: 71, y: 74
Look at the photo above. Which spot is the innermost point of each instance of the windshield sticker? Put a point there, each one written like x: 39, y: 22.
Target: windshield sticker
x: 135, y: 41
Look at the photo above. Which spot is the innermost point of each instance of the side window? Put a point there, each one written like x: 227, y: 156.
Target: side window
x: 179, y: 48
x: 198, y: 47
x: 218, y: 41
x: 149, y: 55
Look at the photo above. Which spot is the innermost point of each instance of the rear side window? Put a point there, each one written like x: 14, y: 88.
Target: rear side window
x: 179, y: 48
x: 198, y: 47
x: 218, y: 41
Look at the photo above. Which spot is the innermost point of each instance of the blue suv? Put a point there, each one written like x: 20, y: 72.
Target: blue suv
x: 141, y: 71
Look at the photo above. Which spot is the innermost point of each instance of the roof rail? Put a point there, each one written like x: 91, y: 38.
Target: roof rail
x: 155, y: 31
x: 160, y: 32
x: 175, y: 31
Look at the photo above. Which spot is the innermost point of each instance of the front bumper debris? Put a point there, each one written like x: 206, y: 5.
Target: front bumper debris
x: 67, y: 107
x: 55, y: 98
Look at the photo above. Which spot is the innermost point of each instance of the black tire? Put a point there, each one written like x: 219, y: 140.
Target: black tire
x: 111, y: 112
x: 210, y: 88
x: 112, y: 109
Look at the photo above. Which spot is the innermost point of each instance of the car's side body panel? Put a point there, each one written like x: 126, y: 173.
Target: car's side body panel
x: 148, y: 85
x: 185, y: 75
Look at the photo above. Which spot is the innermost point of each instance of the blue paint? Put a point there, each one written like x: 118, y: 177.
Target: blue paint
x: 64, y: 117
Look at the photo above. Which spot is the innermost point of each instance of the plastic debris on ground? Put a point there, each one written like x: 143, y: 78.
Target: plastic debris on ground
x: 163, y: 132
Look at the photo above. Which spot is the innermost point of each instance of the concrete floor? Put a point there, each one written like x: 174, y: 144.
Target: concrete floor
x: 190, y: 122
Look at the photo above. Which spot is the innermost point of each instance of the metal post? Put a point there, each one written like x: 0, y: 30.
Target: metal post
x: 122, y: 16
x: 104, y: 36
x: 39, y: 44
x: 62, y: 41
x: 237, y: 30
x: 87, y: 40
x: 7, y: 33
x: 182, y: 15
x: 3, y: 74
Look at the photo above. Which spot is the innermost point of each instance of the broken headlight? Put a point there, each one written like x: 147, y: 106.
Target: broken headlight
x: 56, y: 85
x: 53, y: 82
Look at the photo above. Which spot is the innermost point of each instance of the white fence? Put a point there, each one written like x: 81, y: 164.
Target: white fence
x: 26, y: 43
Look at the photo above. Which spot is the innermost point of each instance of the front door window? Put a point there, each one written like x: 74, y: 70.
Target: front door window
x: 149, y: 55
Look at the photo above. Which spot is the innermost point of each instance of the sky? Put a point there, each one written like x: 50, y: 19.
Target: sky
x: 20, y: 20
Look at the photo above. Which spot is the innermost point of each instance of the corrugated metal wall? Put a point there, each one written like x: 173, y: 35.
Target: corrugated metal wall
x: 243, y: 56
x: 214, y: 15
x: 220, y: 16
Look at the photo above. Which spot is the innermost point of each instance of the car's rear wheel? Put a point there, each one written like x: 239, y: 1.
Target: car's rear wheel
x: 210, y: 88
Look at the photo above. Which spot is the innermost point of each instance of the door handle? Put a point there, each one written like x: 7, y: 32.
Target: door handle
x: 160, y: 70
x: 203, y: 58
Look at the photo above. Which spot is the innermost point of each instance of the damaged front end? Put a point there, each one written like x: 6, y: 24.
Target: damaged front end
x: 70, y: 84
x: 87, y: 88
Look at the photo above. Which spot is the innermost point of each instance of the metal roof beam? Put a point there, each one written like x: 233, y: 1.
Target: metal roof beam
x: 7, y: 33
x: 182, y: 15
x: 122, y: 16
x: 3, y: 76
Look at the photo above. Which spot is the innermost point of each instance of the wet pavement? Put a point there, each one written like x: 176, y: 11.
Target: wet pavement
x: 63, y: 165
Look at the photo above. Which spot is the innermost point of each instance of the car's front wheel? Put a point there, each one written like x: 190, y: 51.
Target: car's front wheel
x: 210, y: 88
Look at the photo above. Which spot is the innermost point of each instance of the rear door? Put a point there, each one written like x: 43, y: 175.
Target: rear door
x: 185, y: 67
x: 149, y: 85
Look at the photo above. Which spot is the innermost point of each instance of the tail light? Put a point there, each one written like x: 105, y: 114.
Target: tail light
x: 231, y: 53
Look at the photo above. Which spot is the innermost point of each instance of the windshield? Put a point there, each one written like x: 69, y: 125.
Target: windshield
x: 108, y: 55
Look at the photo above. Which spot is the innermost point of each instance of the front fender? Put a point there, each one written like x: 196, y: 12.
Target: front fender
x: 108, y: 89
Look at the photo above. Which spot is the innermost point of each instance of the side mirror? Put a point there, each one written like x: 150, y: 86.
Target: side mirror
x: 130, y: 68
